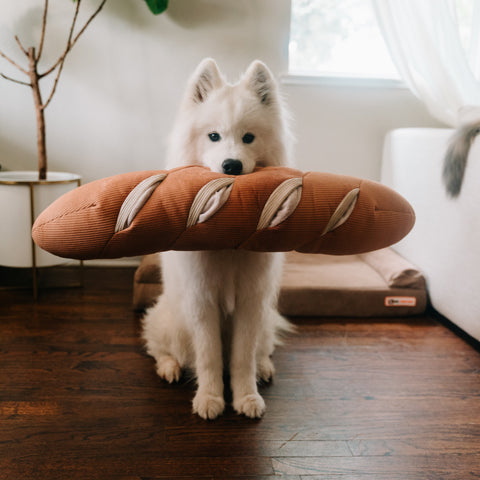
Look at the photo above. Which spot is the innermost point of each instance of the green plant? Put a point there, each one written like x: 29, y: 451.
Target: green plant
x: 157, y: 6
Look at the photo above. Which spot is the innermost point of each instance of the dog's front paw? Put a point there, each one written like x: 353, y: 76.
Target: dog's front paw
x: 208, y: 406
x: 252, y: 405
x: 168, y: 368
x: 265, y: 370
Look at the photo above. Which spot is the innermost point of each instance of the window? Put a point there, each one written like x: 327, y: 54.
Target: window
x: 341, y: 38
x: 337, y: 38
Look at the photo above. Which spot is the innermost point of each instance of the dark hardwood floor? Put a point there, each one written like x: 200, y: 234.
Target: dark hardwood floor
x: 352, y: 399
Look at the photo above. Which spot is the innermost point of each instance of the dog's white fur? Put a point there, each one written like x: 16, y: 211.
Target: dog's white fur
x: 219, y: 308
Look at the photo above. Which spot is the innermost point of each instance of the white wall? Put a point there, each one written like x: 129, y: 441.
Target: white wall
x: 340, y: 129
x: 123, y: 80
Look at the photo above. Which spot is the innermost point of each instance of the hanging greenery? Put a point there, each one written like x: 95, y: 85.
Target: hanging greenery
x: 157, y: 6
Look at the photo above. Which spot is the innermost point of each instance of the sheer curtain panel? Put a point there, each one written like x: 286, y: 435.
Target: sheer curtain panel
x: 424, y: 40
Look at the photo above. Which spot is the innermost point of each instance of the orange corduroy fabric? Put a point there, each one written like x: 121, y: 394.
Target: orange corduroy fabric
x: 81, y: 224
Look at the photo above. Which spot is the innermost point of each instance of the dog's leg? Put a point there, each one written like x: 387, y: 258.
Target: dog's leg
x: 273, y: 329
x: 265, y: 348
x: 208, y: 401
x: 165, y: 341
x: 243, y: 362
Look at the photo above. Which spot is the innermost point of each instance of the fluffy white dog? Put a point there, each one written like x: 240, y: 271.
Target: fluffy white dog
x: 218, y: 308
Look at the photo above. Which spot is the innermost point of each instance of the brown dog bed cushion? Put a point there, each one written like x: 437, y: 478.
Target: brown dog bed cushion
x: 379, y: 283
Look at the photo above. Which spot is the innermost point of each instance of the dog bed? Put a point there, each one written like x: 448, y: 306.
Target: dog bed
x: 375, y: 284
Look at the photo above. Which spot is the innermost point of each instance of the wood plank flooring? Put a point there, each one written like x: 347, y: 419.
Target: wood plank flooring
x: 352, y: 399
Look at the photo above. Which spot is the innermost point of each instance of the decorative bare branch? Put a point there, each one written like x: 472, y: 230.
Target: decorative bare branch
x: 13, y: 63
x: 97, y: 11
x: 72, y: 28
x: 42, y: 36
x: 71, y: 43
x: 54, y: 88
x: 35, y: 77
x: 15, y: 80
x: 20, y: 45
x: 62, y: 57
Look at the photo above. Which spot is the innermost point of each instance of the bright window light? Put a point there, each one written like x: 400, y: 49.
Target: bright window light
x: 337, y: 38
x: 341, y: 38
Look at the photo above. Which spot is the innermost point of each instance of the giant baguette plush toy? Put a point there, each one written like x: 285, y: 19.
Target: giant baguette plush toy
x: 192, y: 208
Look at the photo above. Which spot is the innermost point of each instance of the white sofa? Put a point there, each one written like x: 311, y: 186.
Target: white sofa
x: 445, y: 242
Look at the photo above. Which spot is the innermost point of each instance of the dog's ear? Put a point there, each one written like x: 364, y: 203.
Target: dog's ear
x: 259, y: 79
x: 206, y: 78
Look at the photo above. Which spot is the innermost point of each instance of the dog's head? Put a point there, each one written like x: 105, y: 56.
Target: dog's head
x: 231, y: 128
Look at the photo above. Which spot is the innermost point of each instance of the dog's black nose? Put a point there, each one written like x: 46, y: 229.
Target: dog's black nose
x: 232, y: 167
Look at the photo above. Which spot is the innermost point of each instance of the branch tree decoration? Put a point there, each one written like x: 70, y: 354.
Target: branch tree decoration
x: 34, y: 54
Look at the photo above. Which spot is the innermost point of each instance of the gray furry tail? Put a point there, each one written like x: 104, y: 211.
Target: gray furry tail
x: 456, y: 157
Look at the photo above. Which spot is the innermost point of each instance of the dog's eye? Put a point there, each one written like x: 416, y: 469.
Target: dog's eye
x: 248, y: 138
x: 214, y: 136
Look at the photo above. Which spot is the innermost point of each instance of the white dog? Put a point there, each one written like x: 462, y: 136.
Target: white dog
x: 219, y: 307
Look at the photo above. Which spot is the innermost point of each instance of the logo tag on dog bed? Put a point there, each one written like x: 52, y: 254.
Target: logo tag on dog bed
x: 400, y: 301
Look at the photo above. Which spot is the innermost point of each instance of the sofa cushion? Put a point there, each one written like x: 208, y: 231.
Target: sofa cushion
x: 445, y: 241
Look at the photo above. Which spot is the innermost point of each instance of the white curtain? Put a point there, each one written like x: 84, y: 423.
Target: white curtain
x: 424, y: 41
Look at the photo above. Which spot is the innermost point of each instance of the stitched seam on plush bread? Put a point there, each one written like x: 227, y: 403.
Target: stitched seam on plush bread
x: 276, y: 199
x: 343, y: 211
x: 66, y: 214
x: 203, y: 195
x: 136, y: 199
